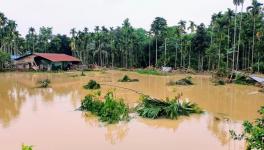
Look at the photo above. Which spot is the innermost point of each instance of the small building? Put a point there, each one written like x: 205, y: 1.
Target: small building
x: 46, y: 61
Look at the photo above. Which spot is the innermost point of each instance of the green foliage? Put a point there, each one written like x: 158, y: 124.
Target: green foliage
x: 26, y: 147
x: 185, y: 81
x: 127, y: 79
x: 258, y: 67
x: 4, y: 57
x: 43, y: 83
x: 172, y: 109
x: 111, y: 110
x: 219, y: 82
x: 149, y: 72
x: 242, y: 79
x: 92, y: 85
x: 253, y: 132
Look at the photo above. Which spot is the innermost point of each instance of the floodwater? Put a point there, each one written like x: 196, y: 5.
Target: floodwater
x: 46, y: 118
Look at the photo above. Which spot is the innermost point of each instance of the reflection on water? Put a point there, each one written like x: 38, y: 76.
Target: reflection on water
x: 44, y: 112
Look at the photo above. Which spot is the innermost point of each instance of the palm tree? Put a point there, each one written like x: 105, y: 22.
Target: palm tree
x: 32, y: 38
x: 182, y: 26
x: 236, y: 3
x: 255, y: 10
x: 240, y: 29
x: 230, y: 15
x: 192, y: 27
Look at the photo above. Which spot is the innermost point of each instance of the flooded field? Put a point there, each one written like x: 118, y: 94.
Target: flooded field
x: 46, y: 118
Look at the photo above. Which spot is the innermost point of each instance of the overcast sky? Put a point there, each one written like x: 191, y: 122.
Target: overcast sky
x: 63, y: 15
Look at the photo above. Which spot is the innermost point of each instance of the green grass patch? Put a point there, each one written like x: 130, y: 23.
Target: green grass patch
x: 92, y: 85
x: 171, y: 109
x: 126, y: 78
x: 110, y: 109
x: 150, y: 72
x: 43, y: 83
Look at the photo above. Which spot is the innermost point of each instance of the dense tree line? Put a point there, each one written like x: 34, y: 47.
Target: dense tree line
x: 234, y: 41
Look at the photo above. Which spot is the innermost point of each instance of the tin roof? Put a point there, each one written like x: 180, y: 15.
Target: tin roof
x: 57, y: 57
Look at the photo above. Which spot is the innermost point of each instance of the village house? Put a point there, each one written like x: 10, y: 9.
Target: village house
x: 46, y: 61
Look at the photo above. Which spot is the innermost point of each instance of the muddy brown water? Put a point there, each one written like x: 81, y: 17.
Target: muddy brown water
x: 46, y: 118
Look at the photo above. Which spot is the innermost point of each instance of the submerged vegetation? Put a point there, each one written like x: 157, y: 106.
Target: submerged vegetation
x: 126, y: 78
x: 184, y: 81
x: 253, y: 132
x: 26, y: 147
x: 92, y: 85
x: 172, y: 109
x: 243, y: 79
x: 110, y: 110
x: 149, y: 72
x: 43, y: 83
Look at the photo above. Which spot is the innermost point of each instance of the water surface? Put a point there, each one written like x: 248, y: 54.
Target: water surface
x: 46, y: 118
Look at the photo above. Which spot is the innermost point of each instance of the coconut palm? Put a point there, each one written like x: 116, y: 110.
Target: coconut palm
x: 182, y: 26
x: 255, y: 10
x: 236, y: 3
x: 241, y: 2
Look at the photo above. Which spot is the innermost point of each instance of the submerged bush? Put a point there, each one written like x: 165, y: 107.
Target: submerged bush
x: 253, y: 132
x: 185, y: 81
x: 149, y: 72
x: 219, y: 82
x: 26, y: 147
x: 83, y: 74
x: 243, y: 79
x: 127, y: 79
x: 110, y: 110
x: 92, y: 85
x: 43, y: 83
x: 172, y: 109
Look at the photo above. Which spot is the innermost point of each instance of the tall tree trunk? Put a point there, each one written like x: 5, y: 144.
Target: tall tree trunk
x: 234, y: 46
x: 176, y: 55
x: 228, y: 46
x: 149, y: 53
x: 181, y: 54
x: 112, y: 59
x: 189, y: 63
x: 156, y: 60
x: 165, y: 52
x: 253, y: 41
x: 219, y: 52
x: 239, y: 36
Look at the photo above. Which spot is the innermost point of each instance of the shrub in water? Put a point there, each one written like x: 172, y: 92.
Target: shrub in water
x: 43, y: 83
x: 149, y: 72
x: 261, y: 90
x: 253, y: 132
x: 243, y: 79
x: 219, y: 82
x: 172, y: 109
x: 26, y: 147
x: 127, y: 79
x: 110, y: 110
x: 92, y: 85
x: 185, y: 81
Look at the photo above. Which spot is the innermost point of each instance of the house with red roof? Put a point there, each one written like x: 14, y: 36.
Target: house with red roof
x: 46, y: 61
